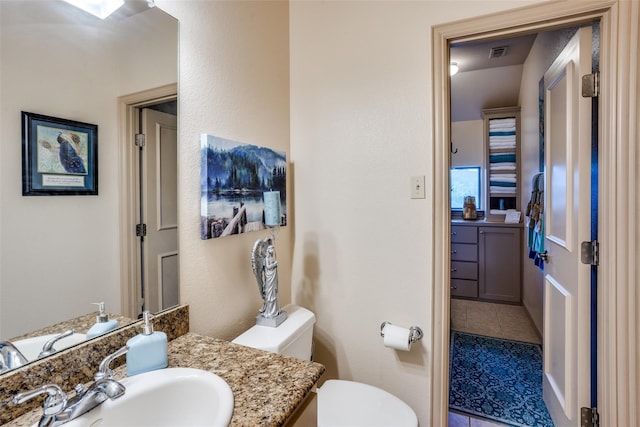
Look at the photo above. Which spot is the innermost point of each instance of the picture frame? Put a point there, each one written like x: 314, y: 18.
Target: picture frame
x: 59, y: 156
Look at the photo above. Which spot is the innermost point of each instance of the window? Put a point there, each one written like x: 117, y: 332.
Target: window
x: 465, y: 181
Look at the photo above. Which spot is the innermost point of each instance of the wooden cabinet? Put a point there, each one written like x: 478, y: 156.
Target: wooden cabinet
x: 464, y: 261
x: 500, y: 273
x: 486, y: 261
x: 502, y: 145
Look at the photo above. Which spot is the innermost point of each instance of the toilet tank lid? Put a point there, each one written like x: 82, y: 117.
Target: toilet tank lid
x: 275, y: 340
x: 350, y: 403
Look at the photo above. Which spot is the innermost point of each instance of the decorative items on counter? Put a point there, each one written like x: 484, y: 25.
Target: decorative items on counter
x: 148, y: 350
x: 469, y: 211
x: 103, y: 323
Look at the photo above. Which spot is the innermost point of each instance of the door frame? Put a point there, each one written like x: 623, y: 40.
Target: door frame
x: 619, y: 184
x: 128, y: 106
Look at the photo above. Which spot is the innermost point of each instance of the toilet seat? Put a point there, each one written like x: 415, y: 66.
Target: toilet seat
x: 352, y: 404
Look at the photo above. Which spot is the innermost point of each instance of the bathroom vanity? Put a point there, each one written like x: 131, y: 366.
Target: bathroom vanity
x: 486, y: 260
x: 267, y: 388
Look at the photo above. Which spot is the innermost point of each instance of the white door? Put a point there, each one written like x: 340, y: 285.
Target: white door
x: 566, y: 380
x: 160, y: 210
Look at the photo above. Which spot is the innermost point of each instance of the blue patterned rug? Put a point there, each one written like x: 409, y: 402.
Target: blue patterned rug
x: 497, y: 379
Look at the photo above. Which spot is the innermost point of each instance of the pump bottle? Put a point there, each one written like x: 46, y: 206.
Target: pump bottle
x: 148, y: 350
x: 103, y: 323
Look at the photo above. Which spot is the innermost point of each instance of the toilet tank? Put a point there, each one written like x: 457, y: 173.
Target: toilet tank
x: 293, y: 337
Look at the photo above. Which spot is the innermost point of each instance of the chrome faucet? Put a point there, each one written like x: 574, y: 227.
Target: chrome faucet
x: 48, y: 349
x: 59, y: 409
x: 10, y: 356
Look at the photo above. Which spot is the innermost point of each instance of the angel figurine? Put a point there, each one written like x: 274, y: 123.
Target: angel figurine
x: 265, y: 268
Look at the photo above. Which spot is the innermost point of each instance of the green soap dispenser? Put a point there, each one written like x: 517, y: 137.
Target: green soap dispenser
x: 103, y: 323
x: 147, y: 351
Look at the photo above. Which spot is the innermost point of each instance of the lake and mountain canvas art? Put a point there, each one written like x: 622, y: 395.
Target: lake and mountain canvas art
x: 235, y: 176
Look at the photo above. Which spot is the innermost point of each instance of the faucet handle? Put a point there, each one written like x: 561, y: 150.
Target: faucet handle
x: 104, y: 372
x: 48, y: 349
x: 55, y: 402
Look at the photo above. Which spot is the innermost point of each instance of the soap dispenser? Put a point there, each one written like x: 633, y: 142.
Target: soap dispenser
x: 103, y: 323
x: 147, y: 351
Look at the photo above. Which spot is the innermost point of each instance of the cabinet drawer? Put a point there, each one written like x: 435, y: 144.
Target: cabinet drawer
x: 464, y: 270
x: 464, y: 252
x: 464, y: 288
x: 463, y: 234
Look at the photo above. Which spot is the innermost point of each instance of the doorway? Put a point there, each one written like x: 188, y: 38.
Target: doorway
x: 157, y: 206
x: 496, y: 303
x: 148, y: 212
x: 520, y: 21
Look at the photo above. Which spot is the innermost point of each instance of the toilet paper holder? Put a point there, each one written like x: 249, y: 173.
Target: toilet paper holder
x: 415, y: 332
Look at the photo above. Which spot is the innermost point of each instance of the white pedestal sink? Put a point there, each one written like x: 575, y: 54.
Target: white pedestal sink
x: 166, y: 397
x: 31, y: 347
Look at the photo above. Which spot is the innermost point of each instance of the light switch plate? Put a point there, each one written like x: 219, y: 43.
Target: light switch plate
x: 417, y: 187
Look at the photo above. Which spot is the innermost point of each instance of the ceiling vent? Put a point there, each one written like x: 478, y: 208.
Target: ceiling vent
x: 498, y: 52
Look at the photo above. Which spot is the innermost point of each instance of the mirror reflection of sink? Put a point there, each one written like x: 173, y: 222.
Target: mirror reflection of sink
x: 31, y: 347
x: 166, y: 397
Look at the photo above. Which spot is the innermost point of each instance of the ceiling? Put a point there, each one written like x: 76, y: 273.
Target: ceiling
x: 484, y: 82
x: 21, y: 12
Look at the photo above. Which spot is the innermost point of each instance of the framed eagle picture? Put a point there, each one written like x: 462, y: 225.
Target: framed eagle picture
x: 59, y: 156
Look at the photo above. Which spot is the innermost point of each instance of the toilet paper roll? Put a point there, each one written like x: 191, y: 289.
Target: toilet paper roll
x: 397, y: 337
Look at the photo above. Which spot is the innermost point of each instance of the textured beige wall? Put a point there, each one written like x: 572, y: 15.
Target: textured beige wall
x: 360, y: 127
x: 234, y: 83
x: 361, y: 110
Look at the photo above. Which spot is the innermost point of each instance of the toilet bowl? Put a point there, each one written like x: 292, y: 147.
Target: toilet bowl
x: 340, y: 402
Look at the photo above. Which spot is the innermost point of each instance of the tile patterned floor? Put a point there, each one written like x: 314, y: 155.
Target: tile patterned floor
x: 493, y: 320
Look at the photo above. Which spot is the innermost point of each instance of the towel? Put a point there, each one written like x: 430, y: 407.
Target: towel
x: 502, y: 184
x: 502, y: 158
x: 501, y: 145
x: 501, y: 133
x: 494, y: 189
x: 505, y: 121
x: 506, y: 166
x: 502, y: 138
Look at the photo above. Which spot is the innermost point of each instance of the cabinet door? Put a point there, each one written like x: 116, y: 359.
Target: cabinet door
x: 500, y: 259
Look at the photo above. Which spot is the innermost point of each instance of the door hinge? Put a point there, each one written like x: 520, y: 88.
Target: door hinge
x: 140, y: 139
x: 141, y: 230
x: 590, y: 252
x: 589, y: 417
x: 591, y: 85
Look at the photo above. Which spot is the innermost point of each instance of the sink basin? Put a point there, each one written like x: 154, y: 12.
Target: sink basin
x: 166, y: 397
x: 31, y: 347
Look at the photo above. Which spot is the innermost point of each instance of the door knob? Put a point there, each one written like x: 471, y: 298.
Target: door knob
x: 544, y: 256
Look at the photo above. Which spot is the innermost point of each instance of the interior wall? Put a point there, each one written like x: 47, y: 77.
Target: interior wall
x: 234, y: 83
x: 59, y: 254
x: 360, y: 127
x: 467, y: 138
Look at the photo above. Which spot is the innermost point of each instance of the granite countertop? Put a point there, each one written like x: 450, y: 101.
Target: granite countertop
x: 484, y: 223
x: 267, y: 387
x: 80, y: 325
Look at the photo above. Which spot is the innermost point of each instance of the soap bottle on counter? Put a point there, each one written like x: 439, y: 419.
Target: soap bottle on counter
x: 103, y: 323
x: 148, y: 350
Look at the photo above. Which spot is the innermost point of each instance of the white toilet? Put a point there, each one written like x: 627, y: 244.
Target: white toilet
x: 340, y: 402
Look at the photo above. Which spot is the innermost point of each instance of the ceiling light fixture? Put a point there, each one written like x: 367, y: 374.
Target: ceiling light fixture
x: 453, y: 68
x: 99, y: 8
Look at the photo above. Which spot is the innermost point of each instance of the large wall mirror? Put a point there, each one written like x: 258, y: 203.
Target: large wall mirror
x: 60, y: 254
